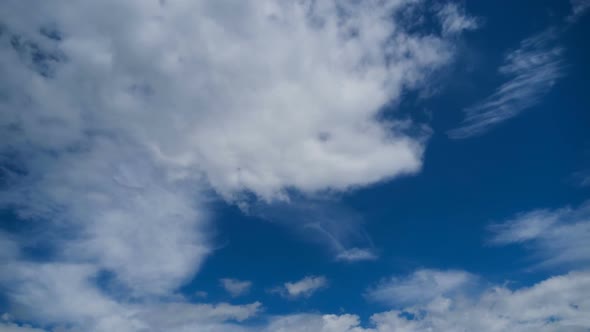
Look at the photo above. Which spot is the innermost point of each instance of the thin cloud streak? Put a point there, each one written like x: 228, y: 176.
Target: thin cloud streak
x: 556, y: 237
x: 303, y: 288
x: 533, y: 70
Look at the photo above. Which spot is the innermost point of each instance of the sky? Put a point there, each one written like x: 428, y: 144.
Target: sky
x: 294, y: 166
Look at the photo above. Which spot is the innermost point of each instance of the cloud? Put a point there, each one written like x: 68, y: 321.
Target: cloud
x: 235, y: 287
x: 454, y: 20
x: 120, y: 122
x: 356, y: 255
x: 269, y: 101
x: 303, y: 288
x: 557, y: 237
x: 275, y: 100
x: 321, y: 220
x: 186, y: 316
x: 533, y: 69
x: 421, y: 287
x: 557, y: 304
x: 120, y: 213
x: 579, y: 8
x: 53, y: 294
x: 10, y: 327
x: 315, y: 322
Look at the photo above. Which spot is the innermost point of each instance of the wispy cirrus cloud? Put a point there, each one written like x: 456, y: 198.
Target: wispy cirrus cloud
x: 533, y: 69
x: 324, y: 221
x: 558, y: 237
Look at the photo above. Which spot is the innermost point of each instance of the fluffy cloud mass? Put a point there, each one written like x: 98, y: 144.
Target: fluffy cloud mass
x: 119, y: 119
x: 283, y: 94
x: 302, y: 288
x: 557, y: 304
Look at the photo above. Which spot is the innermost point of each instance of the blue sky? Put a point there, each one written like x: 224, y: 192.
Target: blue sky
x: 326, y: 165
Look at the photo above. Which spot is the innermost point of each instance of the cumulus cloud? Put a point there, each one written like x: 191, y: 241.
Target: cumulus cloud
x: 235, y: 287
x: 52, y: 294
x: 533, y: 68
x: 11, y: 327
x: 315, y: 322
x: 186, y: 316
x: 422, y: 286
x: 285, y: 95
x: 121, y: 214
x: 303, y: 288
x: 557, y: 237
x: 558, y: 304
x: 120, y: 119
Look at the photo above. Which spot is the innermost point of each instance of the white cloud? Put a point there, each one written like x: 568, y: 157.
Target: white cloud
x: 66, y: 294
x: 422, y: 286
x: 121, y: 118
x: 558, y: 237
x: 120, y: 212
x: 63, y: 294
x: 557, y: 304
x: 454, y: 20
x: 356, y: 255
x: 180, y: 97
x: 303, y: 288
x: 272, y: 100
x: 315, y: 322
x: 235, y: 287
x: 185, y: 316
x: 533, y: 69
x: 11, y: 327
